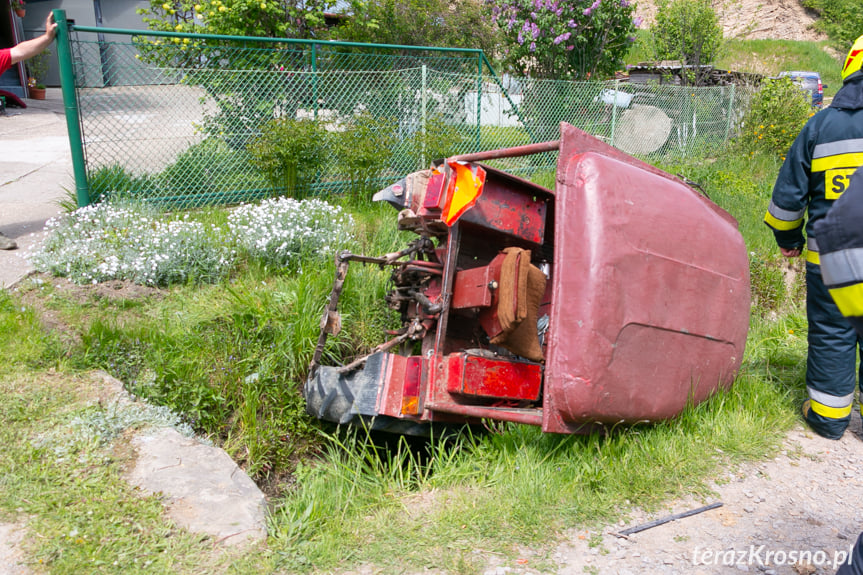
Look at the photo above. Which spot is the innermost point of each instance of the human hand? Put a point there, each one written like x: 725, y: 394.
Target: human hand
x: 790, y: 252
x: 50, y: 26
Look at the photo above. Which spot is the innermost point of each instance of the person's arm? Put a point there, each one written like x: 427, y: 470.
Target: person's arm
x: 30, y: 48
x: 787, y: 211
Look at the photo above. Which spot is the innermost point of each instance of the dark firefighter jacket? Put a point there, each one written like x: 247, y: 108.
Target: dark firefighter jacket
x: 840, y: 239
x: 817, y: 169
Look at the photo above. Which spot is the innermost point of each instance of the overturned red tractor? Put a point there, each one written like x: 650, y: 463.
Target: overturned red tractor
x: 618, y: 297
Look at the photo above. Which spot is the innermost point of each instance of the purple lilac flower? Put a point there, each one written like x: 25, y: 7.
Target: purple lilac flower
x: 568, y: 48
x: 572, y: 24
x: 637, y: 21
x: 562, y: 37
x: 534, y: 30
x: 624, y: 3
x: 520, y: 38
x: 533, y: 46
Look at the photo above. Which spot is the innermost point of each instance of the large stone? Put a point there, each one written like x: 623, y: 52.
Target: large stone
x: 203, y: 489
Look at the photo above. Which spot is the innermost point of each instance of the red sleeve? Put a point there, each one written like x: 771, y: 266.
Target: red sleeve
x: 5, y: 60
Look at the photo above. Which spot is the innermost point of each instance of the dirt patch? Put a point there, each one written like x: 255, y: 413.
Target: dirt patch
x: 11, y: 558
x: 795, y: 514
x: 754, y: 19
x: 31, y: 293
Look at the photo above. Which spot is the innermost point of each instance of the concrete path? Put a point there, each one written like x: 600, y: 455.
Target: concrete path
x: 35, y: 172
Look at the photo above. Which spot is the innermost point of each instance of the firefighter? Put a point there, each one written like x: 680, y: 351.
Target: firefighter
x: 815, y: 173
x: 840, y: 239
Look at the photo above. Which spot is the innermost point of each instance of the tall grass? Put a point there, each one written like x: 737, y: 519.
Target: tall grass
x: 232, y: 356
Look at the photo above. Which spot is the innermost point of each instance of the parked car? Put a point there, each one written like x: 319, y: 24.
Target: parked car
x: 809, y: 82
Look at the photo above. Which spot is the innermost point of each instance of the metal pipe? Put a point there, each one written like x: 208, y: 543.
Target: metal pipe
x: 526, y: 416
x: 128, y: 32
x: 525, y: 150
x: 70, y: 103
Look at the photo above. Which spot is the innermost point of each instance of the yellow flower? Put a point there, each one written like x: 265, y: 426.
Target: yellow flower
x: 222, y: 9
x: 178, y: 27
x: 263, y: 5
x: 791, y: 331
x: 166, y: 6
x: 197, y: 7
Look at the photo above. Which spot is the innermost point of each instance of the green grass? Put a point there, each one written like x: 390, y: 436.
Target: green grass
x: 769, y: 57
x: 231, y: 358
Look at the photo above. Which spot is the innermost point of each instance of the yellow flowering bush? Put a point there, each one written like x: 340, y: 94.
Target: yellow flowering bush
x: 778, y: 111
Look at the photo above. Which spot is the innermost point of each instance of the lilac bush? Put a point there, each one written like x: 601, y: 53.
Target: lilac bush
x: 580, y: 39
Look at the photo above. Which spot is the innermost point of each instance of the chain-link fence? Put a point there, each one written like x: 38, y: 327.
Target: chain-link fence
x: 174, y: 118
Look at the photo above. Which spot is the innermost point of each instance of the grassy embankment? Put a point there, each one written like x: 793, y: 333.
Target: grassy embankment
x: 230, y: 358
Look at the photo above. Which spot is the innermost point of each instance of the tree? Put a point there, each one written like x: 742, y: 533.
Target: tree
x: 454, y: 24
x: 582, y: 39
x: 267, y: 18
x: 688, y: 31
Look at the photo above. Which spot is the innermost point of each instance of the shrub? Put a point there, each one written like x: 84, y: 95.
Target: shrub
x: 211, y: 167
x: 438, y: 140
x: 289, y: 152
x: 689, y: 31
x: 364, y: 150
x: 778, y: 111
x: 837, y: 19
x: 112, y: 181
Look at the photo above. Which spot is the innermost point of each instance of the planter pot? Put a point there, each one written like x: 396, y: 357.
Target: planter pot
x: 20, y: 12
x: 36, y: 93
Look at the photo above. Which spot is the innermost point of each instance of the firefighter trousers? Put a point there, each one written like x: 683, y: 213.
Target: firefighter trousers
x: 831, y: 362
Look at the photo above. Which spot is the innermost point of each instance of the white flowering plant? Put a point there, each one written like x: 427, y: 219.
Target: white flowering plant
x: 137, y: 243
x: 281, y: 231
x: 106, y: 242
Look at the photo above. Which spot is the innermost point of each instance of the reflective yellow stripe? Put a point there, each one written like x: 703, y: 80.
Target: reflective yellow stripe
x: 849, y: 299
x: 813, y: 257
x: 837, y: 161
x: 830, y: 412
x: 781, y: 225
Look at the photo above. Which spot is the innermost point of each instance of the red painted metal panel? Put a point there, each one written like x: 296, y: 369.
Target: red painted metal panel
x: 472, y: 288
x: 509, y: 208
x: 650, y: 298
x: 495, y: 378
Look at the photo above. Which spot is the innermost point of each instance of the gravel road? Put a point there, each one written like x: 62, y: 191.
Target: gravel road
x: 795, y: 514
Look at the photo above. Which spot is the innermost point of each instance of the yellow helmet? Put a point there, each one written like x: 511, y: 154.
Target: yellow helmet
x: 854, y: 59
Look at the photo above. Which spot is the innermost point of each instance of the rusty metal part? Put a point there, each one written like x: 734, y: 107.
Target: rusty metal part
x: 330, y: 311
x: 509, y: 152
x: 415, y: 331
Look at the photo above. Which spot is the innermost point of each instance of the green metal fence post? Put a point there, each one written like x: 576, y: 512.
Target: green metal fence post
x: 70, y: 103
x: 423, y: 114
x: 614, y: 109
x: 315, y: 77
x: 478, y: 102
x: 730, y: 113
